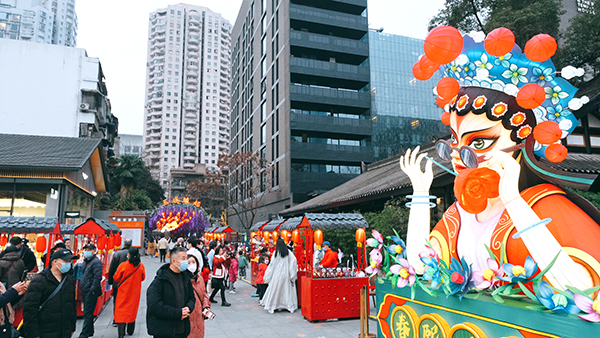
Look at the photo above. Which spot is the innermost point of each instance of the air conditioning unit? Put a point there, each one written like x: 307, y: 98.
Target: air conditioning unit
x: 84, y: 107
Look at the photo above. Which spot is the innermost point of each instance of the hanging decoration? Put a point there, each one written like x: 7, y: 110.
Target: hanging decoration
x: 180, y: 218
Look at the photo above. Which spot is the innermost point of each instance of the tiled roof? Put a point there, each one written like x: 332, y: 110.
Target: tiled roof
x: 211, y: 229
x: 68, y: 228
x: 273, y: 224
x: 578, y: 163
x: 291, y: 223
x: 9, y: 224
x: 45, y: 152
x: 257, y: 226
x: 107, y: 225
x: 336, y: 221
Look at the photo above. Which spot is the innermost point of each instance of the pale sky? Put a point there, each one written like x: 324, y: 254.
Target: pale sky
x: 116, y: 31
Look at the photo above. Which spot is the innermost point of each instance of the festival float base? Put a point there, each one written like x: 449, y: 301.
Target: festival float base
x: 439, y: 317
x: 331, y: 298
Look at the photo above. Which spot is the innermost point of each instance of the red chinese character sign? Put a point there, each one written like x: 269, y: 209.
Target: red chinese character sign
x: 180, y: 218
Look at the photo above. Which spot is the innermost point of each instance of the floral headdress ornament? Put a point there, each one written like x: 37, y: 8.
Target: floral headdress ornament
x: 497, y: 63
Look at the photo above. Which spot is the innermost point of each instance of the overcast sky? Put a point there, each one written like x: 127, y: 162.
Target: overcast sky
x: 116, y: 31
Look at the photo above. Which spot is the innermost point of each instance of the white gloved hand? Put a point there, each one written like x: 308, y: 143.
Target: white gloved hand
x: 410, y: 164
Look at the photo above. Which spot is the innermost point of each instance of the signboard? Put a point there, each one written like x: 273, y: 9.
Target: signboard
x: 135, y: 235
x: 72, y: 214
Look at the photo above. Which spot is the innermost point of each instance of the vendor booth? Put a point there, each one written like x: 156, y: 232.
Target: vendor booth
x: 255, y: 245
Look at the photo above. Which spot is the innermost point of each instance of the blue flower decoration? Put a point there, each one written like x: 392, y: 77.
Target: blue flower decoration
x: 541, y: 76
x: 432, y: 271
x: 517, y: 273
x: 515, y: 74
x: 557, y: 113
x: 503, y: 60
x: 469, y: 69
x: 398, y: 249
x: 556, y: 302
x: 461, y: 280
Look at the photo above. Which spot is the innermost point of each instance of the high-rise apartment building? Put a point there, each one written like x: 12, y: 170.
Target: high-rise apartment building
x: 44, y: 21
x: 300, y: 96
x: 187, y: 89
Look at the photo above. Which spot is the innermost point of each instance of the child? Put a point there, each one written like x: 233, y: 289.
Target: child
x: 233, y: 272
x: 242, y: 264
x: 261, y: 287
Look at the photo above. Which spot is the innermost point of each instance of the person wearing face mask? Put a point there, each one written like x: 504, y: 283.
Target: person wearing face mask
x: 129, y: 277
x: 49, y: 307
x: 202, y: 302
x: 90, y: 288
x: 170, y: 298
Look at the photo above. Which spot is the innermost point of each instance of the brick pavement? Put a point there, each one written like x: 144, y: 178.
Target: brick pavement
x: 245, y: 318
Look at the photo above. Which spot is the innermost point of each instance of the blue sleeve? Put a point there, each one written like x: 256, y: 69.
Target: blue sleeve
x: 7, y: 297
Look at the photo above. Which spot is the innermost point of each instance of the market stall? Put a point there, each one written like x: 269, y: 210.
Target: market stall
x: 289, y: 232
x: 227, y: 231
x: 255, y: 245
x: 329, y: 293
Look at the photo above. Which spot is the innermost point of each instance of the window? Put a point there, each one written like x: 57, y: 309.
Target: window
x: 263, y: 134
x: 263, y: 48
x: 263, y: 111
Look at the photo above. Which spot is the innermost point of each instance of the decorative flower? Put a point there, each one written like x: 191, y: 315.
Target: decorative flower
x: 592, y: 307
x: 483, y: 66
x: 515, y: 74
x: 556, y: 302
x: 429, y: 252
x: 460, y: 277
x: 541, y: 76
x: 405, y: 272
x: 432, y: 271
x: 555, y: 94
x: 473, y: 187
x: 453, y: 68
x: 503, y: 60
x: 375, y: 262
x: 488, y: 277
x: 517, y: 273
x: 557, y: 113
x: 397, y: 249
x: 469, y: 69
x: 376, y: 241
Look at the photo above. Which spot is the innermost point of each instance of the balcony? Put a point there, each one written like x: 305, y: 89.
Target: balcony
x: 355, y: 7
x: 189, y: 115
x: 328, y: 74
x: 188, y: 109
x: 193, y: 28
x: 324, y: 46
x: 192, y: 73
x: 330, y: 152
x: 189, y: 143
x: 189, y: 128
x: 330, y: 125
x: 325, y: 99
x: 191, y: 88
x: 327, y: 21
x: 193, y: 40
x: 193, y: 55
x: 189, y: 136
x: 192, y: 80
x: 193, y: 47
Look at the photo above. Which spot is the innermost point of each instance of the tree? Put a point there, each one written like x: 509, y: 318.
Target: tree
x: 465, y: 15
x: 249, y: 182
x: 210, y: 192
x: 582, y: 41
x: 126, y: 173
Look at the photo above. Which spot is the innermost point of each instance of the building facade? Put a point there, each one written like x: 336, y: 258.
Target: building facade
x: 187, y: 89
x: 54, y: 91
x: 300, y: 96
x: 126, y: 144
x: 43, y: 21
x: 403, y: 108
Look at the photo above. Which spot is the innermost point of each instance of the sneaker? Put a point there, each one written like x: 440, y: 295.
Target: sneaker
x: 231, y: 291
x: 254, y: 295
x: 213, y: 301
x: 225, y: 304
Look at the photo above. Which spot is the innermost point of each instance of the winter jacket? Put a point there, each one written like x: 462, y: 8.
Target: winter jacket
x: 28, y: 258
x: 262, y: 268
x: 92, y: 276
x: 242, y: 262
x: 330, y: 260
x: 233, y: 270
x: 117, y: 258
x: 11, y: 267
x: 163, y: 314
x: 58, y: 316
x: 220, y: 266
x: 11, y: 295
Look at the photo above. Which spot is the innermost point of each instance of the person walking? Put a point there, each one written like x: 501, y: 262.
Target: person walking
x: 211, y: 253
x: 90, y: 288
x: 203, y: 266
x: 129, y: 277
x: 233, y: 272
x: 11, y: 266
x: 218, y: 277
x: 242, y: 264
x: 261, y: 286
x: 49, y: 307
x: 118, y: 258
x: 7, y: 313
x: 281, y: 276
x: 170, y: 299
x: 163, y: 245
x: 202, y: 302
x: 151, y: 247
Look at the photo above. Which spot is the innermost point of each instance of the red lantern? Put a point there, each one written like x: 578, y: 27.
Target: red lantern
x: 547, y: 132
x: 267, y: 235
x: 318, y: 238
x: 443, y: 44
x: 531, y: 96
x: 556, y: 153
x: 284, y: 236
x: 3, y: 240
x: 500, y: 41
x: 360, y: 236
x: 40, y: 244
x: 275, y: 236
x: 540, y: 48
x: 252, y: 234
x: 427, y: 66
x: 446, y: 118
x: 418, y: 73
x: 295, y: 236
x: 118, y: 240
x: 111, y: 243
x: 447, y: 88
x: 101, y: 243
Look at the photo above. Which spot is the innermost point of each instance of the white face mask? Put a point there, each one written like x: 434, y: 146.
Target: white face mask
x: 192, y: 268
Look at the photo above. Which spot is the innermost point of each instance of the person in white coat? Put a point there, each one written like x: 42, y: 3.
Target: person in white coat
x: 281, y: 276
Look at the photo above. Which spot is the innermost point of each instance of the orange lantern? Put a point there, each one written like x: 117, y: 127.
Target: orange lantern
x: 447, y: 88
x: 556, y: 153
x: 275, y: 235
x: 118, y: 240
x: 500, y: 41
x: 318, y: 238
x: 531, y: 96
x: 101, y: 242
x: 418, y: 73
x: 547, y: 132
x: 446, y: 118
x: 40, y: 244
x: 360, y: 237
x: 443, y: 44
x: 267, y: 235
x: 442, y: 102
x: 3, y: 240
x: 540, y: 48
x: 284, y: 236
x: 428, y: 66
x: 252, y: 234
x: 111, y: 243
x: 296, y: 236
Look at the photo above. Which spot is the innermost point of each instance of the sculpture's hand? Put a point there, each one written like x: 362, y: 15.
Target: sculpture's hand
x: 509, y: 170
x: 410, y: 164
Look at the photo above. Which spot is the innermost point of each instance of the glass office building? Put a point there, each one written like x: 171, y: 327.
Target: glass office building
x: 403, y: 108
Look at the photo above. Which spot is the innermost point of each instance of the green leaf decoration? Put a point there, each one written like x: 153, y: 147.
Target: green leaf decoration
x: 497, y: 298
x: 396, y: 233
x: 491, y: 253
x: 412, y: 291
x: 564, y: 293
x: 528, y: 293
x: 394, y: 281
x: 502, y: 255
x: 380, y: 280
x: 586, y: 292
x: 541, y: 274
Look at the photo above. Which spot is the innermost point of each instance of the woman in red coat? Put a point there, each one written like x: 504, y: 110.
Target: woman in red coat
x: 129, y: 277
x: 197, y: 317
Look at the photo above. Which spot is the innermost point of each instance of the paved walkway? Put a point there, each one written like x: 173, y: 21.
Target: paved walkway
x: 245, y: 318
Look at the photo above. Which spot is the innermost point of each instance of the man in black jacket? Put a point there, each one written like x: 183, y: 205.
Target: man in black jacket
x: 90, y: 287
x: 51, y: 317
x: 26, y: 254
x: 170, y: 299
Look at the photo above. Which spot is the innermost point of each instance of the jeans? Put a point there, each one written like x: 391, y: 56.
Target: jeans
x: 217, y: 284
x: 163, y: 255
x: 89, y: 307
